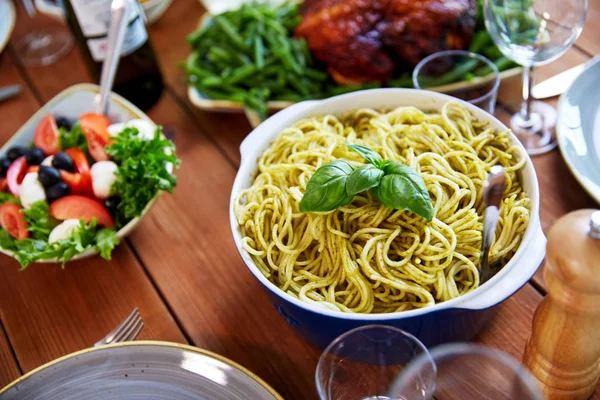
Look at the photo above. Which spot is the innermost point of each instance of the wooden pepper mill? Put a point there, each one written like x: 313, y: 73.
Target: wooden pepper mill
x: 563, y: 352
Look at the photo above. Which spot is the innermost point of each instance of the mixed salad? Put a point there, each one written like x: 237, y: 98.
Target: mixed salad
x: 78, y: 183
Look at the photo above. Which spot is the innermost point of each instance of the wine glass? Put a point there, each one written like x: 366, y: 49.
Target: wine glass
x: 463, y: 371
x: 362, y: 363
x: 533, y: 33
x: 462, y: 74
x: 45, y: 43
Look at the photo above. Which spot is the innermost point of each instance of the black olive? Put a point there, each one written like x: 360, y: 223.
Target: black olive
x: 57, y: 191
x: 64, y: 122
x: 34, y: 156
x: 4, y: 164
x: 63, y: 161
x: 15, y: 152
x: 111, y: 203
x: 48, y: 176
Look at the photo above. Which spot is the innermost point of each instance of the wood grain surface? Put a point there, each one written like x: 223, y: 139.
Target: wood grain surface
x: 180, y: 266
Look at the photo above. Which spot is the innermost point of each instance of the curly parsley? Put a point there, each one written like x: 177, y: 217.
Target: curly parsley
x: 142, y: 171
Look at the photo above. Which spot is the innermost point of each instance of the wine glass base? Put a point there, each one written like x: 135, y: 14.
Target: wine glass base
x: 43, y: 47
x: 537, y: 134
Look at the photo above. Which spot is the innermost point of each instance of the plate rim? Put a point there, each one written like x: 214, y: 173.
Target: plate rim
x: 137, y: 343
x: 561, y: 140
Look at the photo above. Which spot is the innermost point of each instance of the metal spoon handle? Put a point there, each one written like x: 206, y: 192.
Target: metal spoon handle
x: 116, y: 35
x: 493, y: 189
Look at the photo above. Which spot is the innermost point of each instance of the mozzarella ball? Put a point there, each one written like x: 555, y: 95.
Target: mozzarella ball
x: 103, y: 177
x: 31, y: 191
x: 145, y: 128
x: 48, y: 161
x: 64, y: 230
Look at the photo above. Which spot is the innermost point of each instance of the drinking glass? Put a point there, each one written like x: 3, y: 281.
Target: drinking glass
x: 533, y: 33
x: 462, y: 74
x: 463, y: 371
x: 46, y: 42
x: 362, y: 363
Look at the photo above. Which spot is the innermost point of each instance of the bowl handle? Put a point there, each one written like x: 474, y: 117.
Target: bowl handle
x: 249, y: 143
x: 533, y: 254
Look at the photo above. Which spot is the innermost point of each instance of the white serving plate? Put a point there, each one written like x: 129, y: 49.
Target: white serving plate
x: 578, y: 129
x: 71, y: 103
x: 8, y: 17
x: 147, y: 370
x: 507, y: 281
x: 154, y: 9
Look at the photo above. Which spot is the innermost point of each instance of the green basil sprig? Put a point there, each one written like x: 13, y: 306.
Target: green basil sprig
x: 326, y: 189
x: 396, y: 185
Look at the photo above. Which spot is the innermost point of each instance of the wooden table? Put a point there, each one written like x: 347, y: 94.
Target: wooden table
x: 180, y: 266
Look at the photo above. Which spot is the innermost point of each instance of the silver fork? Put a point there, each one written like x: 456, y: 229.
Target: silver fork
x: 126, y: 331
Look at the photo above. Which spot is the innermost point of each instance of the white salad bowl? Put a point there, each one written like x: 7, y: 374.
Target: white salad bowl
x: 71, y: 103
x: 458, y: 319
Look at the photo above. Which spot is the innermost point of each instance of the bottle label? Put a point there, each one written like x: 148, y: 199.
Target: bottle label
x: 94, y: 20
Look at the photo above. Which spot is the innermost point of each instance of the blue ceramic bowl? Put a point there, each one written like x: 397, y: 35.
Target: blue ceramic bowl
x: 454, y: 320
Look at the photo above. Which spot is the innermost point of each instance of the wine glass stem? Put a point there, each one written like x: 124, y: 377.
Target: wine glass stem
x: 29, y: 7
x: 527, y: 87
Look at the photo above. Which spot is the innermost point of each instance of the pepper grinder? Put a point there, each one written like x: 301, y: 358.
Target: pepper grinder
x: 563, y: 352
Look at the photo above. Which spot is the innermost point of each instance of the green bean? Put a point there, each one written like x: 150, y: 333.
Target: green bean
x: 276, y: 26
x: 199, y: 33
x: 481, y: 40
x: 212, y: 81
x: 241, y: 73
x: 405, y: 81
x: 453, y: 75
x: 348, y: 89
x: 296, y: 84
x: 259, y: 53
x: 315, y: 74
x: 502, y: 64
x: 492, y: 52
x: 229, y: 30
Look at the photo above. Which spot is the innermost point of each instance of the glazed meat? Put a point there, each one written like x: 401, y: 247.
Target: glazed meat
x: 364, y: 41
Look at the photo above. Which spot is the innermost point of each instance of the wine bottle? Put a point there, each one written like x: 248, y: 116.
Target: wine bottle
x: 138, y: 77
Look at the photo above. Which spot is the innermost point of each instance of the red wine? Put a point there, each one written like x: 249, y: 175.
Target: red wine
x: 138, y: 77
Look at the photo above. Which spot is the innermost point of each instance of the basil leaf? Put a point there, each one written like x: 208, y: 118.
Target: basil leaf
x: 326, y: 189
x: 403, y: 188
x: 364, y: 178
x: 369, y: 155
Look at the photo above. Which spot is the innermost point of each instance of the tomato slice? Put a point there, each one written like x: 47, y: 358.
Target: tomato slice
x: 78, y: 183
x: 79, y: 159
x: 94, y: 127
x: 33, y: 168
x: 15, y: 174
x: 3, y: 185
x: 12, y: 219
x: 82, y: 208
x: 46, y: 135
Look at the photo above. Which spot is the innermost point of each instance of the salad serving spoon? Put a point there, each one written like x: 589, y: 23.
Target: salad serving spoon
x: 493, y: 189
x: 119, y: 10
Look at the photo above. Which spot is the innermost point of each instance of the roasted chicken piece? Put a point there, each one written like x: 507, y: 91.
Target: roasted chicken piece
x: 364, y: 41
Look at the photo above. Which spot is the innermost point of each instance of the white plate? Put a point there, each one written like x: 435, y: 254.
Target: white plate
x: 578, y: 129
x: 71, y: 103
x: 7, y: 21
x: 154, y: 9
x: 140, y: 370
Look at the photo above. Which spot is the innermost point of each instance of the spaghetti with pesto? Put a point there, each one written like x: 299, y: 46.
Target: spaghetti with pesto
x: 365, y: 257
